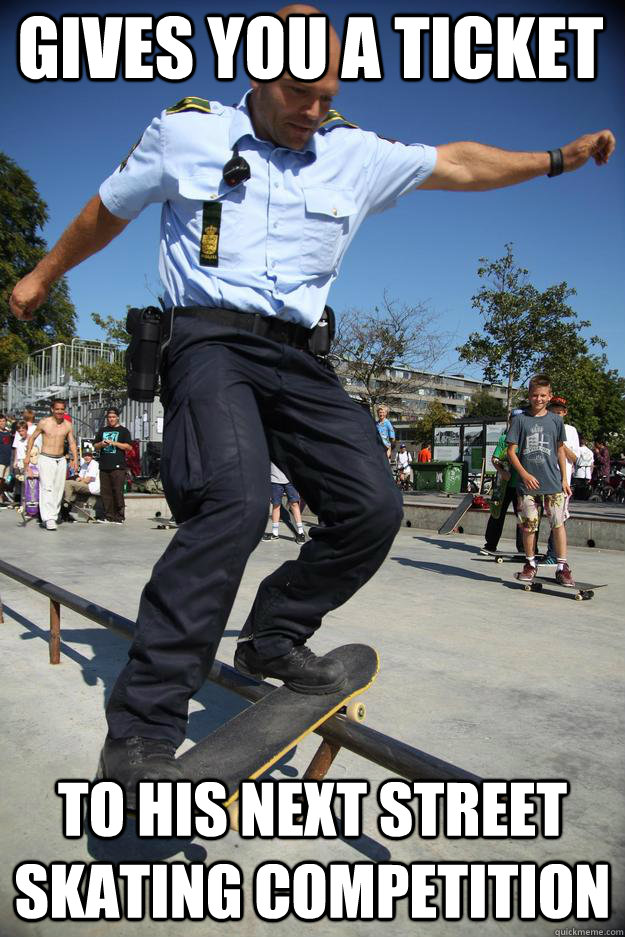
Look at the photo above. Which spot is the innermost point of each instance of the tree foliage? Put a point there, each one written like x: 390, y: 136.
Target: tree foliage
x: 22, y: 214
x: 393, y: 337
x: 521, y: 323
x: 108, y: 376
x: 483, y: 406
x: 435, y: 415
x: 595, y: 393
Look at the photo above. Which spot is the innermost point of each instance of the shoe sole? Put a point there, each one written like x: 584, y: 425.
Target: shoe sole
x: 305, y: 689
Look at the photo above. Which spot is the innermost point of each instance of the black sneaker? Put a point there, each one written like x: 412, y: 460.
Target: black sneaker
x: 270, y: 537
x: 300, y: 669
x: 138, y: 759
x: 300, y: 538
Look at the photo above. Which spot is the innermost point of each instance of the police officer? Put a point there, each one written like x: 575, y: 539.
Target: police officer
x: 260, y: 202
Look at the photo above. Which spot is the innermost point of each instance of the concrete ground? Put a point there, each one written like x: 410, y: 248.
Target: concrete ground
x: 504, y: 683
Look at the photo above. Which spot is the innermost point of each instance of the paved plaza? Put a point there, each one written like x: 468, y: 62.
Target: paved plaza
x: 505, y: 684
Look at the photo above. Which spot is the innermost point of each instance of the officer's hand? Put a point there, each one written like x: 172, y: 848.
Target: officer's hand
x: 28, y: 294
x: 598, y: 145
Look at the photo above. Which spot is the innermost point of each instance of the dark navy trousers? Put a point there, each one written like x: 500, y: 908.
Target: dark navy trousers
x: 233, y: 401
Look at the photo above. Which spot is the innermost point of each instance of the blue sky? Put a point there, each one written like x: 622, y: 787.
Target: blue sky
x: 70, y: 135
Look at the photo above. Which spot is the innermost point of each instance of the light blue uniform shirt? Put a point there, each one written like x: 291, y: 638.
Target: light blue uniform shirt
x: 284, y: 231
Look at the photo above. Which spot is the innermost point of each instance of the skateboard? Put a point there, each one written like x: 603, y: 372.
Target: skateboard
x: 502, y: 556
x: 580, y: 591
x: 456, y: 515
x: 248, y: 745
x: 88, y: 516
x: 163, y: 523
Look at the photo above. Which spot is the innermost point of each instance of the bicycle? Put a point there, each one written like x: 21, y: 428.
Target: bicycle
x: 602, y: 491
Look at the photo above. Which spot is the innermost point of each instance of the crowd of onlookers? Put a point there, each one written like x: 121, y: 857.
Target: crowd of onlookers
x: 43, y: 476
x: 92, y: 485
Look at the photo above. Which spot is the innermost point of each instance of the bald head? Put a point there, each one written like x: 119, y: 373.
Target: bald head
x: 287, y: 112
x: 334, y: 43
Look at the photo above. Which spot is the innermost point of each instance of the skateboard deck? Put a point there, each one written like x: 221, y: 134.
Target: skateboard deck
x: 502, y: 556
x: 164, y: 523
x: 456, y: 515
x: 249, y: 744
x: 85, y: 513
x: 580, y: 591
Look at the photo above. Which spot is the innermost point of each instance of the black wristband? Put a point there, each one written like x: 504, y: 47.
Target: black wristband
x: 557, y: 162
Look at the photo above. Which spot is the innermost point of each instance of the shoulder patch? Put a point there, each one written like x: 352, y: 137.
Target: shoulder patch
x: 190, y: 104
x: 334, y: 119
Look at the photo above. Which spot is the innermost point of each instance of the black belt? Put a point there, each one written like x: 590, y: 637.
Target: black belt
x: 287, y: 333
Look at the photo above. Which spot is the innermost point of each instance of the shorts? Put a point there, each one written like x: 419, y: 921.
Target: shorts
x: 5, y: 470
x: 529, y: 507
x: 278, y: 490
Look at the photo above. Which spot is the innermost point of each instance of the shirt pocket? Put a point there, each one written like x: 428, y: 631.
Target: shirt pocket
x: 213, y: 217
x: 328, y: 213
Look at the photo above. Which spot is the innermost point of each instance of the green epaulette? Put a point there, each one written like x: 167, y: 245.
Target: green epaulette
x: 334, y: 119
x: 190, y: 104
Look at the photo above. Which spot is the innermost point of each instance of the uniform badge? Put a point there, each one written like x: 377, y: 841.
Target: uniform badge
x: 209, y: 241
x: 190, y: 104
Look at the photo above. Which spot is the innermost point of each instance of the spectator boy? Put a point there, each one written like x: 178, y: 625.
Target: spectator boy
x: 558, y: 406
x: 87, y: 483
x: 113, y: 442
x: 582, y: 472
x: 535, y: 449
x: 507, y: 480
x: 425, y: 454
x: 280, y: 485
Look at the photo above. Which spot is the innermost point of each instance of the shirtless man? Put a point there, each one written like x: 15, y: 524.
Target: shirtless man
x: 52, y: 465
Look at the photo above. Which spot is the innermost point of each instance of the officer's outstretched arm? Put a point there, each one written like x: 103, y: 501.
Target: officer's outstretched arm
x: 474, y: 167
x: 88, y: 233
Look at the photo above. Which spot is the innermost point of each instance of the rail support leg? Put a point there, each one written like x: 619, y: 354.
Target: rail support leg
x: 322, y: 761
x: 1, y: 612
x: 55, y: 632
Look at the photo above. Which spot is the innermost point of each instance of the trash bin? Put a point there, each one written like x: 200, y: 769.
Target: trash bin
x: 452, y: 477
x: 438, y: 476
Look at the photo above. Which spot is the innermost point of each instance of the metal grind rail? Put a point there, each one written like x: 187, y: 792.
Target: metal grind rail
x: 337, y: 732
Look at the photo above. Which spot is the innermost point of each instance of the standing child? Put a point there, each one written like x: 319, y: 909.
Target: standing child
x: 280, y: 485
x: 536, y: 450
x: 558, y: 405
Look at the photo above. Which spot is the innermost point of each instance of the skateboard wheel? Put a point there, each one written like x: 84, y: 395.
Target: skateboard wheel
x: 527, y: 587
x: 499, y: 559
x: 233, y: 812
x: 356, y: 711
x: 579, y: 596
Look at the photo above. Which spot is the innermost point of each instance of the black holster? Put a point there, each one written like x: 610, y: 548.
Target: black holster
x: 143, y: 355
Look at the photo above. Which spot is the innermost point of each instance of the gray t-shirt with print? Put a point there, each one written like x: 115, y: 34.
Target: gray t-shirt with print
x: 537, y: 439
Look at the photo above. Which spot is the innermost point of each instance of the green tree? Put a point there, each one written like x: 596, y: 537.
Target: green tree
x: 22, y: 214
x: 108, y: 376
x: 374, y: 346
x: 483, y: 406
x: 521, y: 324
x: 595, y: 393
x: 435, y: 415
